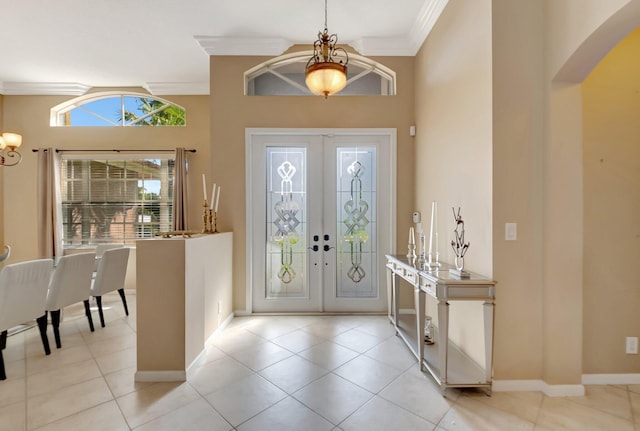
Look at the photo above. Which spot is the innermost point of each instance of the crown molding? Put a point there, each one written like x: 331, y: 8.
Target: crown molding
x: 177, y: 88
x: 217, y: 45
x: 43, y: 88
x: 383, y: 46
x: 426, y: 19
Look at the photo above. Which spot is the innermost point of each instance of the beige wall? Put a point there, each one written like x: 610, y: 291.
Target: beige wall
x: 232, y: 113
x: 1, y: 177
x: 29, y: 115
x: 612, y: 209
x: 453, y: 145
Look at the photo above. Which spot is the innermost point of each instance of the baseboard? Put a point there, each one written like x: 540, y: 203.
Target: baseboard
x: 161, y: 376
x: 538, y: 386
x: 611, y: 379
x: 241, y: 313
x: 407, y: 311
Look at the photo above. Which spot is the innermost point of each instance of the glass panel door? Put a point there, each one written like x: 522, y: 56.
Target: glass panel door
x: 317, y: 232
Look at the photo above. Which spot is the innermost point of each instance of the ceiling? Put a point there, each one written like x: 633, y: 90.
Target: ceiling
x: 70, y: 46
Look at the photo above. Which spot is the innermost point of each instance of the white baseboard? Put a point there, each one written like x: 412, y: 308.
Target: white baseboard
x: 407, y: 311
x: 611, y: 379
x: 540, y: 386
x: 161, y: 376
x: 241, y: 313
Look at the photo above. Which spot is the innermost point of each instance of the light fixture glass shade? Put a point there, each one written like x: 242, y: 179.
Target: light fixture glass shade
x: 12, y: 140
x: 326, y: 78
x: 2, y: 144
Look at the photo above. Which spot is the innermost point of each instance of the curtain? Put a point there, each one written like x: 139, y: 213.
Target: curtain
x: 180, y: 195
x: 49, y: 204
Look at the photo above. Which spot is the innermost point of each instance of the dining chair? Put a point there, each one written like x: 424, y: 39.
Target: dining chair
x: 100, y: 249
x: 110, y: 276
x: 70, y: 283
x: 23, y: 296
x: 7, y: 252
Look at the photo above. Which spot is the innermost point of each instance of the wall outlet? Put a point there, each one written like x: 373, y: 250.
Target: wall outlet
x: 510, y: 231
x: 632, y: 345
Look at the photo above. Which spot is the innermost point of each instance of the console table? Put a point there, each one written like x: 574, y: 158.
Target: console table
x: 445, y: 361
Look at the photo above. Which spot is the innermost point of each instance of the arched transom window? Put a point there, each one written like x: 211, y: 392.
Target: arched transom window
x: 117, y: 109
x: 284, y: 76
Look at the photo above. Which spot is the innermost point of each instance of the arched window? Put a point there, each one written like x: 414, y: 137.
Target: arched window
x: 117, y: 109
x: 284, y: 76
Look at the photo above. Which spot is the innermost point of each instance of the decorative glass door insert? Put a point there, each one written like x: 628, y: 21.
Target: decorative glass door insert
x: 286, y: 223
x: 356, y: 223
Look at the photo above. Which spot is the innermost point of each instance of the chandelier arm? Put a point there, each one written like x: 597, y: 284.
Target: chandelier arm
x: 12, y: 154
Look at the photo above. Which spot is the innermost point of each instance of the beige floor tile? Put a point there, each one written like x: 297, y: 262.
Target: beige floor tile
x: 154, y: 401
x: 298, y: 340
x: 61, y: 377
x: 12, y: 390
x: 123, y: 382
x: 244, y: 399
x: 293, y: 373
x: 215, y: 375
x: 357, y: 340
x: 606, y: 398
x: 114, y: 344
x: 45, y: 409
x: 57, y: 358
x: 273, y: 329
x: 333, y: 397
x: 378, y: 326
x: 236, y: 339
x: 393, y: 352
x: 419, y: 395
x: 328, y: 328
x: 261, y: 356
x: 15, y: 369
x: 198, y: 415
x: 13, y: 417
x: 328, y: 355
x: 635, y: 407
x: 288, y: 415
x: 116, y: 361
x: 104, y: 417
x: 380, y: 415
x: 634, y: 388
x: 525, y: 405
x: 368, y: 373
x: 561, y: 414
x: 469, y: 414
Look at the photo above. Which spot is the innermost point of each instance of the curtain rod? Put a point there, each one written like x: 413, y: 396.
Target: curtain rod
x: 35, y: 150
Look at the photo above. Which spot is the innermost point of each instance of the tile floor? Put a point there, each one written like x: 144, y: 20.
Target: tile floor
x: 271, y: 373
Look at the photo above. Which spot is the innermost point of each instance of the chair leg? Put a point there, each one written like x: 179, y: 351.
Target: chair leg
x: 87, y: 312
x: 55, y: 322
x: 124, y: 301
x: 3, y: 344
x: 42, y: 326
x: 99, y: 302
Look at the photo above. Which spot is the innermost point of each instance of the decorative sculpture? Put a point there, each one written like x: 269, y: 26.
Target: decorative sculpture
x: 459, y: 246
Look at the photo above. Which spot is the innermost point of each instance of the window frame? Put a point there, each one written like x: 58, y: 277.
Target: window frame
x: 58, y: 113
x: 138, y: 226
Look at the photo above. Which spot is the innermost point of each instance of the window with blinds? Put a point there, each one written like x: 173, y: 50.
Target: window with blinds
x: 115, y: 200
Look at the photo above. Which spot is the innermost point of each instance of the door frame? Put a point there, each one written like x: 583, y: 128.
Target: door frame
x: 250, y: 133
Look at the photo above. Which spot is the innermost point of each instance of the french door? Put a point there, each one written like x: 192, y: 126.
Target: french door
x: 320, y: 219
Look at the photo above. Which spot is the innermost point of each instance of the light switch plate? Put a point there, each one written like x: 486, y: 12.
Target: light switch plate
x: 416, y: 217
x: 510, y: 231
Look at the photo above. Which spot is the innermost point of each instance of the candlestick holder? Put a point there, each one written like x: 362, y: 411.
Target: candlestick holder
x: 213, y: 221
x: 205, y: 218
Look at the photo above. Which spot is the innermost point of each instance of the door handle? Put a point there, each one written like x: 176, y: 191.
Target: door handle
x: 327, y: 248
x: 314, y: 248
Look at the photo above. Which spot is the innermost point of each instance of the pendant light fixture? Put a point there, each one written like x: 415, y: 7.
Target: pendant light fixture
x: 326, y: 71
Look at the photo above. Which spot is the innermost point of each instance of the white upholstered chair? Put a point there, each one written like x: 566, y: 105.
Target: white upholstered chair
x: 7, y: 252
x: 100, y: 249
x: 70, y: 283
x: 110, y: 276
x: 23, y: 296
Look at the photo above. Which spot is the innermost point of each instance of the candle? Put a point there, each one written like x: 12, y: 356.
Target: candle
x: 412, y: 239
x: 204, y: 188
x: 435, y: 224
x: 433, y: 209
x: 213, y: 195
x: 217, y: 199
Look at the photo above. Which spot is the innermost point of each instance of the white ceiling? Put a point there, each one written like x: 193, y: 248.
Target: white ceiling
x: 69, y: 46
